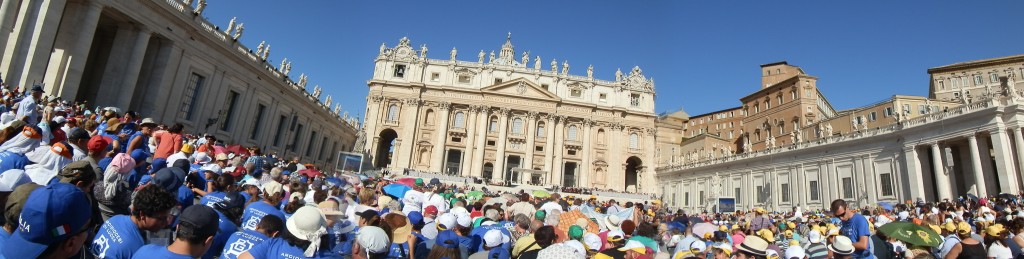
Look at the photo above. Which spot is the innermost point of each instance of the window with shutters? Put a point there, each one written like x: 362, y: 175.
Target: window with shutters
x: 493, y: 126
x: 813, y: 190
x: 193, y: 89
x: 887, y: 186
x: 572, y: 133
x: 993, y: 77
x: 540, y: 130
x: 847, y: 187
x: 460, y: 120
x: 785, y: 192
x: 517, y: 126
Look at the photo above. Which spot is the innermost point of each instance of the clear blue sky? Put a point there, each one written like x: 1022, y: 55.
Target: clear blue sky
x: 703, y: 55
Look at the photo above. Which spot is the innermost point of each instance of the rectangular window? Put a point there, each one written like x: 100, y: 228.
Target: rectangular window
x: 311, y: 143
x: 464, y: 79
x: 942, y: 85
x: 490, y: 143
x: 993, y: 77
x: 281, y: 125
x: 457, y: 139
x: 978, y: 80
x: 887, y: 113
x: 760, y: 194
x: 906, y: 109
x: 257, y: 124
x: 686, y: 198
x: 572, y: 152
x: 435, y: 77
x: 956, y: 82
x: 538, y: 148
x: 603, y: 97
x: 886, y: 180
x: 295, y: 139
x: 545, y: 86
x: 576, y: 93
x: 700, y: 198
x: 193, y: 90
x: 399, y: 71
x: 872, y: 116
x: 785, y: 192
x: 738, y: 195
x: 922, y: 109
x: 225, y: 124
x: 813, y: 186
x: 498, y: 80
x: 323, y: 147
x: 847, y: 187
x: 634, y: 100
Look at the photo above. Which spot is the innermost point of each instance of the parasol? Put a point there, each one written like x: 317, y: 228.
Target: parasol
x: 411, y: 182
x: 310, y: 172
x: 541, y: 194
x: 334, y: 181
x: 911, y: 233
x: 219, y: 150
x: 885, y: 205
x: 476, y: 195
x: 567, y: 219
x: 397, y: 190
x: 238, y: 150
x: 701, y: 228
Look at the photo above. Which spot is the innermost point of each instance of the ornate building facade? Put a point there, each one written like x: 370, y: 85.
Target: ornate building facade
x: 165, y: 60
x: 508, y: 119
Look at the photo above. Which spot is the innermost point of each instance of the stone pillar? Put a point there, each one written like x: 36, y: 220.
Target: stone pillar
x: 17, y: 43
x: 469, y: 141
x: 8, y: 10
x: 1004, y: 161
x: 914, y: 175
x: 584, y: 169
x: 499, y: 155
x: 530, y: 129
x: 437, y: 158
x: 370, y: 122
x: 481, y: 141
x: 80, y: 52
x: 408, y: 118
x: 1018, y: 143
x: 40, y: 45
x: 979, y: 175
x: 559, y: 148
x: 941, y: 179
x: 131, y: 76
x: 549, y: 146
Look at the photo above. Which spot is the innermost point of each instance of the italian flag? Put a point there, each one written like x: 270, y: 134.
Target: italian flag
x: 61, y: 230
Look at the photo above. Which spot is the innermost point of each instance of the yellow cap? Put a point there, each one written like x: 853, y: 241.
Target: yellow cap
x: 790, y: 225
x: 794, y: 242
x: 767, y: 235
x: 936, y: 228
x: 963, y: 228
x: 735, y: 226
x: 995, y: 230
x: 949, y: 226
x: 722, y: 228
x: 186, y: 148
x: 788, y: 233
x: 707, y: 235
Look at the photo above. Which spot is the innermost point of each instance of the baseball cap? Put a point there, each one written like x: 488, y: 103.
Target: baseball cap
x: 78, y: 133
x: 446, y: 221
x: 37, y: 88
x: 59, y: 119
x: 615, y: 235
x: 16, y: 200
x: 814, y: 236
x: 98, y: 143
x: 51, y: 214
x: 575, y: 232
x: 214, y: 168
x: 11, y: 179
x: 464, y: 220
x: 77, y: 169
x: 203, y: 218
x: 795, y: 252
x: 231, y: 200
x: 416, y: 218
x: 447, y: 239
x: 430, y: 210
x: 272, y: 188
x: 634, y: 245
x: 167, y: 180
x: 374, y: 239
x: 494, y: 238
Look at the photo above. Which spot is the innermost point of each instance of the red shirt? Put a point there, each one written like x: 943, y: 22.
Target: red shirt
x: 167, y: 144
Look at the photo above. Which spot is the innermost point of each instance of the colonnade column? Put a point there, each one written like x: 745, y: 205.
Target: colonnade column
x: 1004, y: 162
x: 914, y: 175
x: 1018, y: 141
x: 979, y: 175
x: 470, y: 140
x: 556, y: 161
x: 499, y: 155
x: 79, y: 53
x: 530, y: 129
x: 941, y: 179
x: 437, y: 158
x: 480, y: 140
x: 131, y: 76
x: 584, y: 169
x: 549, y: 146
x: 8, y: 10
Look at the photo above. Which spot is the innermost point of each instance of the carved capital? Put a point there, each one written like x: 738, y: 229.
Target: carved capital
x: 532, y: 115
x: 652, y: 131
x: 588, y: 122
x: 375, y: 98
x: 504, y: 111
x: 444, y: 106
x: 560, y: 118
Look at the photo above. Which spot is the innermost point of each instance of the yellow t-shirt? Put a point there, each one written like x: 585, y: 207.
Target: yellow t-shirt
x: 525, y: 243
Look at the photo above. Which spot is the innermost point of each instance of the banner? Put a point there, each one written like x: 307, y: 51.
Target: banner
x: 726, y: 205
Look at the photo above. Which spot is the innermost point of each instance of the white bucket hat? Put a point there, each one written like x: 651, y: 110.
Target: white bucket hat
x: 308, y: 224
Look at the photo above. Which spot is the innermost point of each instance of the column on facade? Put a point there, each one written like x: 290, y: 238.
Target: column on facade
x: 1018, y: 143
x: 131, y: 76
x: 871, y: 185
x: 8, y: 11
x: 941, y: 179
x: 1004, y: 162
x: 559, y: 148
x: 530, y: 129
x: 17, y: 43
x: 648, y: 173
x: 480, y: 141
x: 549, y: 146
x: 914, y: 175
x: 44, y: 31
x: 369, y: 128
x: 616, y: 163
x: 403, y: 156
x: 437, y: 158
x: 470, y: 141
x: 979, y: 175
x: 584, y: 170
x: 502, y: 142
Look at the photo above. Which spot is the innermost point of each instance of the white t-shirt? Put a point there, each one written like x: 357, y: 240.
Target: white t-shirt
x: 998, y: 251
x: 550, y: 206
x: 430, y: 198
x: 411, y: 201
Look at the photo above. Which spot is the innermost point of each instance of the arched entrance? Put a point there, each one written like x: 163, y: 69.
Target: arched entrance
x: 633, y: 165
x: 488, y: 171
x: 385, y: 148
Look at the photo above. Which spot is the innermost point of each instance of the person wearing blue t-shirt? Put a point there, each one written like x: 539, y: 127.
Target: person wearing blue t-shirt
x: 854, y: 226
x: 304, y: 228
x: 122, y: 235
x: 229, y: 212
x: 222, y: 184
x: 254, y: 212
x: 242, y: 241
x: 194, y: 235
x: 10, y: 160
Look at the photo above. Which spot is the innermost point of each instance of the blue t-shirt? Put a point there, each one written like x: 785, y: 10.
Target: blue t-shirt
x: 10, y: 160
x: 4, y: 235
x: 855, y: 228
x: 276, y: 248
x: 212, y: 198
x: 119, y: 237
x: 225, y: 229
x: 477, y: 235
x: 422, y: 248
x: 185, y: 196
x: 157, y: 252
x: 256, y: 211
x: 240, y: 242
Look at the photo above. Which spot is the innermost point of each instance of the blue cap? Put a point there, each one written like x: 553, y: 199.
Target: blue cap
x: 194, y: 167
x: 158, y: 163
x: 303, y: 179
x: 286, y: 172
x: 447, y: 239
x: 416, y: 218
x: 167, y: 180
x: 51, y: 214
x: 37, y: 88
x: 231, y: 200
x: 140, y: 157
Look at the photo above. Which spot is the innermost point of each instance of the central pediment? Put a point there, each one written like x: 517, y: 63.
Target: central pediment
x: 521, y: 88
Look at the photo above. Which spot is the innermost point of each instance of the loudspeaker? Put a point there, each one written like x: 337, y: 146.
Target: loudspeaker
x: 949, y: 156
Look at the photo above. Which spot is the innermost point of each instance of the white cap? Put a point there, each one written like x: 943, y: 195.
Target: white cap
x: 210, y: 167
x: 494, y: 238
x: 576, y: 245
x: 904, y: 215
x: 13, y: 178
x: 814, y: 236
x: 593, y: 241
x: 447, y: 220
x: 59, y: 119
x: 464, y: 220
x: 251, y: 181
x: 795, y: 252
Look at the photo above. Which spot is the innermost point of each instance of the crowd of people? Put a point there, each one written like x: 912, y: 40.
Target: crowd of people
x: 99, y: 183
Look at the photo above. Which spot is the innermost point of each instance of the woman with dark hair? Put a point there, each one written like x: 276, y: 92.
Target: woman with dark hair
x: 221, y: 184
x: 302, y: 239
x: 545, y: 236
x: 995, y: 236
x: 229, y: 211
x: 446, y: 246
